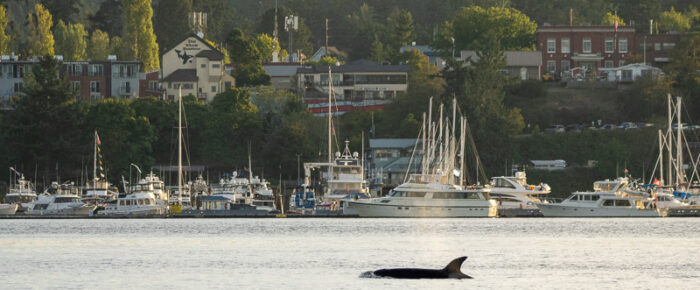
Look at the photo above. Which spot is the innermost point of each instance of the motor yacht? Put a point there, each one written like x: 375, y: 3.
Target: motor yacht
x: 606, y: 200
x: 8, y: 208
x: 99, y: 192
x: 425, y: 196
x: 21, y: 193
x: 513, y: 192
x: 60, y: 199
x: 139, y: 200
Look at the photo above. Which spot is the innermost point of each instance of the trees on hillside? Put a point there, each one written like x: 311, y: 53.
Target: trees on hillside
x: 246, y: 60
x: 473, y: 28
x: 40, y: 37
x: 138, y: 34
x: 171, y: 22
x: 4, y: 38
x: 98, y: 49
x: 71, y: 41
x: 611, y: 19
x: 109, y: 18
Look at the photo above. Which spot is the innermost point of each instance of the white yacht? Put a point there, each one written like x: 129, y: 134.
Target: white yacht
x: 606, y: 200
x: 158, y: 188
x: 425, y: 196
x: 60, y: 200
x: 263, y: 198
x: 138, y: 201
x: 99, y: 192
x: 346, y: 182
x: 513, y: 192
x: 21, y: 193
x: 8, y: 208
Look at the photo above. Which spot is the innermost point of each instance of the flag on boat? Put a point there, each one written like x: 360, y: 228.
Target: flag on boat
x: 97, y: 139
x: 657, y: 182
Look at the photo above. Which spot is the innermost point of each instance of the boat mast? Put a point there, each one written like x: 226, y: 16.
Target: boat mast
x: 661, y: 156
x: 430, y: 138
x: 94, y: 168
x: 330, y: 114
x: 668, y: 142
x: 679, y: 144
x: 179, y: 148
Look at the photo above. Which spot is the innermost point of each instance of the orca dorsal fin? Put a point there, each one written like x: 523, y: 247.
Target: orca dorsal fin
x: 454, y: 268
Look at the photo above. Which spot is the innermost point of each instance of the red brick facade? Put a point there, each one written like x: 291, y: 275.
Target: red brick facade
x: 590, y: 46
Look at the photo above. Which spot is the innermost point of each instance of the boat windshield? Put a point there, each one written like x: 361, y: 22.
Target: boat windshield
x: 455, y: 195
x: 18, y: 198
x: 408, y: 194
x: 66, y: 199
x: 604, y: 186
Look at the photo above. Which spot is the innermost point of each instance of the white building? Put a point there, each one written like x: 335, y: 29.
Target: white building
x: 630, y: 72
x: 197, y: 68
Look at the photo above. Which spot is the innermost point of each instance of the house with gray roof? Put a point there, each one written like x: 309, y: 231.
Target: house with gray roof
x: 388, y: 159
x: 525, y: 65
x: 282, y: 74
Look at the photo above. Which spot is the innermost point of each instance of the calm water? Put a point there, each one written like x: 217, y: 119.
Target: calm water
x: 534, y: 253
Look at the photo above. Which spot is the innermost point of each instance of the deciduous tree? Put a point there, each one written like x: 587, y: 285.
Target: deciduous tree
x: 171, y: 22
x: 71, y: 41
x: 4, y: 38
x: 138, y: 33
x: 40, y: 37
x: 99, y: 48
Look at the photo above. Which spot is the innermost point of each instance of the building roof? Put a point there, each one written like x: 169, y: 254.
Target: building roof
x: 356, y: 67
x: 513, y: 57
x: 392, y: 143
x: 182, y: 75
x: 281, y: 69
x: 425, y: 49
x: 211, y: 54
x: 215, y: 198
x: 588, y: 29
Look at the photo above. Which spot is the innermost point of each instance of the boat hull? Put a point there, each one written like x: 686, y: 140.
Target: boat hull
x: 557, y: 210
x: 136, y: 211
x: 369, y: 209
x: 8, y: 209
x: 84, y: 210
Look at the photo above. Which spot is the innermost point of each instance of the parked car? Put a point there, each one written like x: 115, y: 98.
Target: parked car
x: 644, y: 125
x: 556, y: 129
x: 608, y: 127
x: 685, y: 126
x: 550, y: 77
x: 628, y: 126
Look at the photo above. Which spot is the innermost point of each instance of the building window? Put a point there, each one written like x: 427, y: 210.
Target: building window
x: 95, y: 70
x: 213, y: 89
x: 215, y: 65
x: 76, y: 87
x: 94, y: 87
x: 187, y: 86
x: 227, y: 85
x: 170, y: 85
x: 623, y: 45
x: 551, y: 66
x: 204, y: 65
x: 176, y: 86
x: 18, y: 87
x: 565, y: 45
x: 587, y: 45
x: 565, y: 65
x: 127, y: 87
x: 657, y: 46
x: 621, y: 63
x: 152, y: 85
x: 551, y: 45
x: 668, y: 46
x: 609, y: 47
x: 609, y: 63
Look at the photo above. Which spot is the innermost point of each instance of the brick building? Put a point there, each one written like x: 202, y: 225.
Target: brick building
x: 592, y: 47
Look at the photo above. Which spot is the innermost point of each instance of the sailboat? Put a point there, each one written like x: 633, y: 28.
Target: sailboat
x: 21, y: 193
x: 99, y: 190
x: 179, y: 203
x: 434, y: 192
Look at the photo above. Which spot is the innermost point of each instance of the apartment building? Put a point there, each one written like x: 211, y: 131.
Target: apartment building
x: 360, y: 85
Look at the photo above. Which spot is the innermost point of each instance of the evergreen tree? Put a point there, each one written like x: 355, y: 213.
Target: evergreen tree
x: 220, y: 18
x: 99, y: 48
x: 400, y: 24
x: 40, y: 37
x: 109, y: 18
x: 4, y: 38
x: 376, y: 51
x: 246, y: 60
x: 66, y: 10
x: 171, y: 22
x: 45, y: 127
x: 138, y: 33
